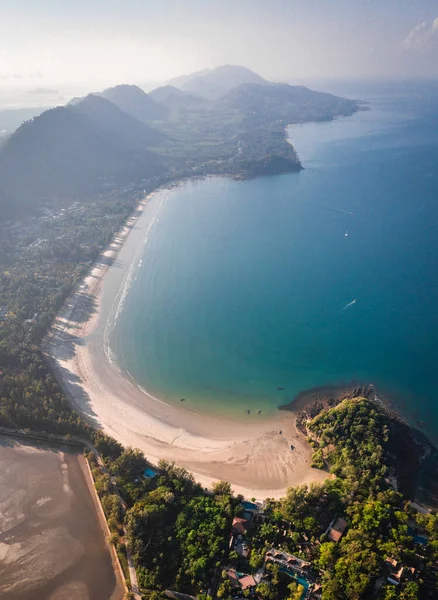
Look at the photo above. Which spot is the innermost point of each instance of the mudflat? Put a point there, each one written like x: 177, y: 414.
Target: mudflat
x: 52, y: 545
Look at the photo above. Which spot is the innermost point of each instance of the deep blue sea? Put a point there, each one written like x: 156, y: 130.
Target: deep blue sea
x: 301, y: 280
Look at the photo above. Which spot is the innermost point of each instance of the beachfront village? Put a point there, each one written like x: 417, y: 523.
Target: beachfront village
x: 287, y: 568
x: 187, y: 541
x: 171, y: 538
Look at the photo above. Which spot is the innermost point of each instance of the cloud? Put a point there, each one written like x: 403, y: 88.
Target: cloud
x: 20, y: 76
x: 423, y: 37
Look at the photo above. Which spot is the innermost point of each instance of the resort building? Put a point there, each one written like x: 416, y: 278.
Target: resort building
x: 247, y: 582
x: 237, y: 538
x: 253, y: 511
x: 239, y: 526
x: 396, y: 570
x: 241, y: 581
x: 336, y: 529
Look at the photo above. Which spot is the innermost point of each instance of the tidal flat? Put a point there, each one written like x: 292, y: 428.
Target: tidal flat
x: 52, y: 545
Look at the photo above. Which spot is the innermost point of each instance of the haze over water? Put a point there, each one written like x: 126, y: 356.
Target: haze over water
x: 242, y: 285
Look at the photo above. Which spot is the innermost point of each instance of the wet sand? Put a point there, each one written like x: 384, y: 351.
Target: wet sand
x: 52, y: 546
x: 252, y: 453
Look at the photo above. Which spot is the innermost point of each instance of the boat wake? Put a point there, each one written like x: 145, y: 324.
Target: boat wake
x: 348, y: 305
x: 334, y: 209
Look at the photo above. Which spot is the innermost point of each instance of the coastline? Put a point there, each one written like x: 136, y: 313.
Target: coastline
x: 416, y: 458
x: 256, y: 458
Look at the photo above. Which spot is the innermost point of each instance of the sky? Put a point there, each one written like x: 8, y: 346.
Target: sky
x: 48, y: 45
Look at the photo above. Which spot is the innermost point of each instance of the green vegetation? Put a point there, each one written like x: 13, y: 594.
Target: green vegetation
x: 355, y: 439
x: 179, y: 534
x: 41, y: 260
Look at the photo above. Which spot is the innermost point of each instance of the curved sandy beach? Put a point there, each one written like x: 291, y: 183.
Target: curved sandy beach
x: 254, y: 455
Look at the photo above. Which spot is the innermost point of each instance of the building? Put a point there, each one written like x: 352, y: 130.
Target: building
x: 241, y: 581
x: 247, y: 582
x: 239, y: 526
x: 253, y: 511
x: 234, y: 579
x: 337, y: 529
x: 289, y: 561
x: 396, y: 570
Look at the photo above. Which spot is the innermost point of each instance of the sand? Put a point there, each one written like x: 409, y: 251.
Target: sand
x: 253, y: 454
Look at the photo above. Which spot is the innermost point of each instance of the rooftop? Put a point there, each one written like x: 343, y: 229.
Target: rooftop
x: 247, y: 581
x: 239, y: 525
x: 336, y: 531
x: 391, y: 561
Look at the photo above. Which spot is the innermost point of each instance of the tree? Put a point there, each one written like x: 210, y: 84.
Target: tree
x: 256, y: 559
x: 295, y: 591
x: 327, y: 555
x: 390, y: 592
x: 224, y: 589
x: 265, y: 591
x: 222, y: 488
x: 233, y: 556
x: 410, y: 591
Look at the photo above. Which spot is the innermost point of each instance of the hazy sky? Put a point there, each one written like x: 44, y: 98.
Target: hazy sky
x: 103, y: 42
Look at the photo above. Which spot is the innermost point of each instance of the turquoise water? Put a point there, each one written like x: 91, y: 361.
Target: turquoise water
x: 242, y: 285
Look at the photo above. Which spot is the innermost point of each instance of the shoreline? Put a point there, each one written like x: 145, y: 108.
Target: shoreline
x: 84, y: 465
x: 416, y: 466
x: 256, y: 458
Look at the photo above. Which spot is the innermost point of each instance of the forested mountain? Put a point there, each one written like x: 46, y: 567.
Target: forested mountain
x: 12, y: 118
x: 74, y: 150
x: 213, y: 83
x: 224, y: 121
x: 135, y: 102
x: 109, y: 117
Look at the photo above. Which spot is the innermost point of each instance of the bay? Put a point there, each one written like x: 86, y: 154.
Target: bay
x: 301, y: 280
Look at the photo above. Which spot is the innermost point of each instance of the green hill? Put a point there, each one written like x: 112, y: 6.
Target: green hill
x: 74, y: 150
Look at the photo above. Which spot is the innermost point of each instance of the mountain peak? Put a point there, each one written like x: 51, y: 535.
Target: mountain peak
x: 135, y: 102
x: 213, y: 83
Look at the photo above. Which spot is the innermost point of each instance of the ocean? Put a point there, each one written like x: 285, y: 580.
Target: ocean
x: 248, y: 292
